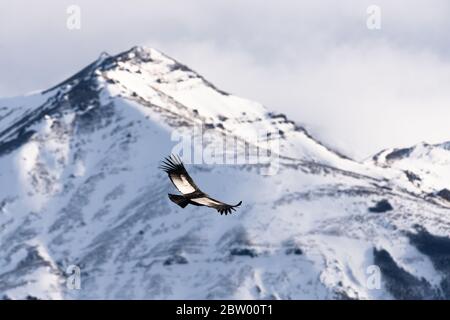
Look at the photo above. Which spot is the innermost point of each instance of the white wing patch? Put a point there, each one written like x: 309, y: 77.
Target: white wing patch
x: 182, y: 183
x: 205, y: 201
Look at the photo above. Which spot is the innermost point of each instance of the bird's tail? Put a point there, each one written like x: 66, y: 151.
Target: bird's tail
x: 179, y: 200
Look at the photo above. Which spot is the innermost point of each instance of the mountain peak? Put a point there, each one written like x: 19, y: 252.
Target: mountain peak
x: 423, y: 166
x: 104, y: 55
x: 420, y: 150
x: 144, y: 54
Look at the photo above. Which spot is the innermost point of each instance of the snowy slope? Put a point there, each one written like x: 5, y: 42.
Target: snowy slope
x: 422, y: 168
x: 80, y: 186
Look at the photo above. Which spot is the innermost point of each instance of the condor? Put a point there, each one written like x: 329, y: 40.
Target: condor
x: 191, y: 194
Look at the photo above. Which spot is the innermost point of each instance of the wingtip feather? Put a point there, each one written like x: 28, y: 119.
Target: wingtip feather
x: 171, y: 162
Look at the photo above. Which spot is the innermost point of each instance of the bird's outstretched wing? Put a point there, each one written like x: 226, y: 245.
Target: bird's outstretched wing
x: 178, y: 175
x: 221, y: 207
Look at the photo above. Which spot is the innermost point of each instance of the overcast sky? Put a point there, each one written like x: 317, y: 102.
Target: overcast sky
x: 358, y: 89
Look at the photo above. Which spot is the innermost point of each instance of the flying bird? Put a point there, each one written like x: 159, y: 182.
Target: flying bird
x: 191, y: 194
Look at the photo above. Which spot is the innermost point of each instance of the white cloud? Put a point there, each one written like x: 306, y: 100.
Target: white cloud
x: 359, y: 89
x: 361, y: 99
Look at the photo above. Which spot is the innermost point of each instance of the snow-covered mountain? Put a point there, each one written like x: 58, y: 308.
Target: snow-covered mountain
x: 80, y: 186
x: 426, y: 167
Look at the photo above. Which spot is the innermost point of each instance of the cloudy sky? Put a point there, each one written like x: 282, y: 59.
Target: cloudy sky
x: 358, y: 89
